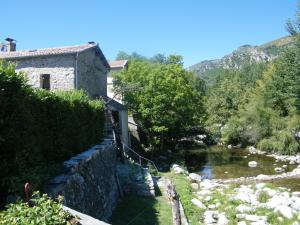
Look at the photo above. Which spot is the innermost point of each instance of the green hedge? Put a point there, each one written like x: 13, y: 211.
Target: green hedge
x: 40, y: 129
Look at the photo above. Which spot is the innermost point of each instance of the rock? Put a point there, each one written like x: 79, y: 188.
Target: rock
x: 229, y: 146
x: 222, y: 220
x: 195, y: 186
x: 296, y: 171
x: 226, y: 172
x: 252, y: 218
x: 262, y: 177
x: 270, y: 192
x: 207, y: 198
x: 179, y: 170
x: 245, y: 197
x: 278, y: 200
x: 243, y: 209
x: 278, y: 169
x: 284, y: 166
x: 242, y: 223
x: 195, y: 177
x: 260, y: 222
x: 284, y: 211
x: 296, y: 223
x: 295, y: 203
x: 245, y: 157
x: 252, y: 164
x: 212, y: 206
x: 292, y: 162
x: 209, y: 217
x: 198, y: 203
x: 260, y: 185
x: 296, y: 194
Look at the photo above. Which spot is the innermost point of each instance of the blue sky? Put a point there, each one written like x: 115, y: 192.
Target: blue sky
x: 196, y: 29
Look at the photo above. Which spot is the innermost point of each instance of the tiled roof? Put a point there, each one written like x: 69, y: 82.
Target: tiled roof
x: 117, y: 63
x: 46, y: 51
x: 54, y: 51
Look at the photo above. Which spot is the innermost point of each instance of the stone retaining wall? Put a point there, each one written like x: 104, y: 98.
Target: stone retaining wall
x: 89, y: 183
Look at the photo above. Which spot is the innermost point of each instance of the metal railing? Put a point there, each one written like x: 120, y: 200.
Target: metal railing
x: 139, y: 156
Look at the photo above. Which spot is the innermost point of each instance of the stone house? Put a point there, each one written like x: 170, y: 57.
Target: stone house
x: 115, y: 66
x: 66, y: 68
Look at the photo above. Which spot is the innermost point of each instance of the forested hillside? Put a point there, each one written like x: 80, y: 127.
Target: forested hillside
x: 258, y: 103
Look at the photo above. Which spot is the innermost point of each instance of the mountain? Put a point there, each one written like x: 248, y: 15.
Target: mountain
x: 244, y: 55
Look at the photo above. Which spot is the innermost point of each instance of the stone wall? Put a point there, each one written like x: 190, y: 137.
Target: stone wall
x: 89, y: 183
x: 92, y: 75
x: 60, y: 68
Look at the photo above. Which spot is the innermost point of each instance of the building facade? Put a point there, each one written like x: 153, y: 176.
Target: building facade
x: 81, y: 67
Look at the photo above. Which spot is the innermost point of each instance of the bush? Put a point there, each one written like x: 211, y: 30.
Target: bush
x: 44, y: 211
x: 282, y: 142
x: 40, y: 129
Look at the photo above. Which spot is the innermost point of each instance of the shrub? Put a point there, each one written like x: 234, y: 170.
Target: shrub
x: 40, y: 129
x: 282, y: 142
x: 44, y: 211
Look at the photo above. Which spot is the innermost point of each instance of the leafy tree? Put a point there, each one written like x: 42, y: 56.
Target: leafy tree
x: 164, y: 102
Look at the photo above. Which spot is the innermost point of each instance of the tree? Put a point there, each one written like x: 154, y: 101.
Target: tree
x: 165, y: 103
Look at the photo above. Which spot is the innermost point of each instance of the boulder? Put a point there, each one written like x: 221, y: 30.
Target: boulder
x: 195, y: 177
x: 284, y: 211
x: 278, y: 170
x: 198, y: 203
x: 222, y: 219
x: 195, y: 186
x: 252, y: 164
x: 243, y: 208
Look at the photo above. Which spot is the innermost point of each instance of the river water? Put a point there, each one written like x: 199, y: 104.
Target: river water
x: 218, y: 162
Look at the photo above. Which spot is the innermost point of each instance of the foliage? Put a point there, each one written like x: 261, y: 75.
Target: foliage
x: 40, y: 129
x: 163, y: 99
x: 44, y: 211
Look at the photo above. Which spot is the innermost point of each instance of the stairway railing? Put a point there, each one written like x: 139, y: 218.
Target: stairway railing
x: 138, y: 155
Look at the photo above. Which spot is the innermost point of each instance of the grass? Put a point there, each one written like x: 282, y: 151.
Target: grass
x: 135, y: 210
x: 183, y: 188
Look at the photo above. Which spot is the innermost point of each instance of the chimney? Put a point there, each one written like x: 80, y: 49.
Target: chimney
x: 11, y: 45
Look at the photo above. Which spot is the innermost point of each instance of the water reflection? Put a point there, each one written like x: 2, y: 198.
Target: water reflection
x: 219, y: 162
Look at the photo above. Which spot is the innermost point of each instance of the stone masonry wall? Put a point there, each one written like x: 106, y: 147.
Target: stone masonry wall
x: 89, y: 183
x: 60, y: 68
x: 92, y: 75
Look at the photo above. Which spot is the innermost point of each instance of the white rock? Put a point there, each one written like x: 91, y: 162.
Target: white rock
x: 252, y: 164
x: 296, y: 223
x: 243, y: 208
x: 209, y: 217
x: 296, y: 171
x: 195, y: 177
x: 278, y: 170
x: 242, y: 223
x: 212, y: 206
x: 222, y: 220
x: 270, y: 192
x: 284, y: 166
x: 252, y: 218
x: 198, y: 203
x: 179, y: 170
x: 246, y: 197
x: 284, y: 211
x: 173, y: 166
x: 292, y: 162
x: 262, y: 177
x: 195, y: 186
x: 260, y: 222
x: 295, y: 203
x: 245, y: 157
x: 296, y: 194
x: 260, y: 185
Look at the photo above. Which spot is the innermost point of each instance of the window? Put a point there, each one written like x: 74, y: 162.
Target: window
x: 45, y: 81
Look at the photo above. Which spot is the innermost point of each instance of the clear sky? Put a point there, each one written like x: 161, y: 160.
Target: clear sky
x: 196, y: 29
